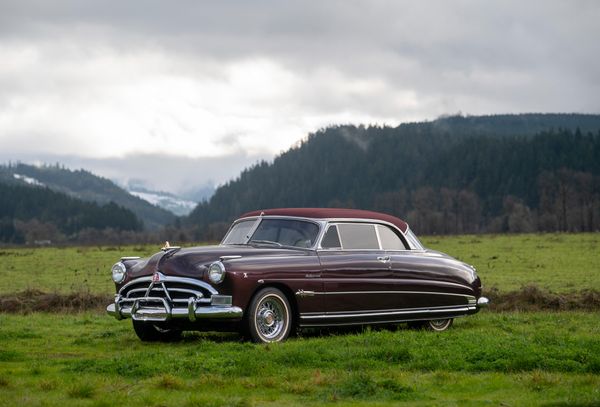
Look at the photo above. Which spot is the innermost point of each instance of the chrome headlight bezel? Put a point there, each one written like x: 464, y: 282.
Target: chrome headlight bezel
x: 216, y: 272
x: 119, y: 272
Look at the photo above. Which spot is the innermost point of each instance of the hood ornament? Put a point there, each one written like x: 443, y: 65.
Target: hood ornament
x: 169, y: 249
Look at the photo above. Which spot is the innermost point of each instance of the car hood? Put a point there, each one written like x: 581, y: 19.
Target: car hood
x: 194, y: 261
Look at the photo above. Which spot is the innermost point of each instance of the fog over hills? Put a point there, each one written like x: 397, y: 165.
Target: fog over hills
x: 84, y: 185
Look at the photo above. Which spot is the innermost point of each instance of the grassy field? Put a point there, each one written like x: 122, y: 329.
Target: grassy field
x: 558, y: 262
x: 515, y: 359
x: 510, y: 359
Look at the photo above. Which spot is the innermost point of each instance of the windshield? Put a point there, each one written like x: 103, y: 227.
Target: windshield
x: 238, y: 234
x: 274, y: 232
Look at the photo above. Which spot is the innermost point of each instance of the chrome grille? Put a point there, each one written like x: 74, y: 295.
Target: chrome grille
x: 173, y: 289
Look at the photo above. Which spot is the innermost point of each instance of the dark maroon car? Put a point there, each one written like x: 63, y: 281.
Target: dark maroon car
x: 281, y: 269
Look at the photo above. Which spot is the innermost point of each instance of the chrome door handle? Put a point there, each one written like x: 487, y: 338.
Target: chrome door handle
x: 383, y: 259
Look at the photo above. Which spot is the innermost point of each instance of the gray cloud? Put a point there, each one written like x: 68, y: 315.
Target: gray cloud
x: 168, y: 173
x: 462, y: 50
x: 326, y: 62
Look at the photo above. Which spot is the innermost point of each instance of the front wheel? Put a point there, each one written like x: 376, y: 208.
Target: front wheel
x: 269, y: 317
x: 149, y: 332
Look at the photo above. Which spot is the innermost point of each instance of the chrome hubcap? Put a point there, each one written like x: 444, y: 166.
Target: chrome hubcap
x: 271, y: 317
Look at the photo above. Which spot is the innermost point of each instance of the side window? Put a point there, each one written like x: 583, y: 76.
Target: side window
x: 358, y: 236
x: 331, y: 239
x: 389, y: 239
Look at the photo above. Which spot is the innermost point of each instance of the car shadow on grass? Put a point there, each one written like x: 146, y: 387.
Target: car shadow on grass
x: 305, y: 333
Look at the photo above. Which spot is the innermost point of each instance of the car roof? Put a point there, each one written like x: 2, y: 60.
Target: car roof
x: 330, y: 213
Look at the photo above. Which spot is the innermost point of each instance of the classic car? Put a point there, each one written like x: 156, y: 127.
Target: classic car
x: 277, y: 270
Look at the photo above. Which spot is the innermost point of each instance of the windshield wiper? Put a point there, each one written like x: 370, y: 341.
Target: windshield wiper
x: 266, y: 242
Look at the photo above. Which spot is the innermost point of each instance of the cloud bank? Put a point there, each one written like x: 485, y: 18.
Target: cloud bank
x: 108, y: 79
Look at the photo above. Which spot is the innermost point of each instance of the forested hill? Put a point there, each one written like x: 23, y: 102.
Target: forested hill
x: 84, y: 185
x: 32, y: 213
x: 452, y: 175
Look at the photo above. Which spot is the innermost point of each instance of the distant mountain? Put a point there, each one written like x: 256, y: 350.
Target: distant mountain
x: 86, y: 186
x: 165, y: 200
x: 31, y: 212
x: 451, y: 175
x: 198, y: 193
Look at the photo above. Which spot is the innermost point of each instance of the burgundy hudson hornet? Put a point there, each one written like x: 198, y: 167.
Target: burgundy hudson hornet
x: 281, y: 269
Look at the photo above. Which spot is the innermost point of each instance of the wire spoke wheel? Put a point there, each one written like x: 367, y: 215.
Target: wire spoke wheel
x: 270, y: 318
x: 439, y: 324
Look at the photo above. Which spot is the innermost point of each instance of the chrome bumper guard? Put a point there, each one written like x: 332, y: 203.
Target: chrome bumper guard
x: 483, y: 302
x: 157, y: 309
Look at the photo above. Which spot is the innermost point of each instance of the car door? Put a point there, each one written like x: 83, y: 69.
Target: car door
x: 355, y: 270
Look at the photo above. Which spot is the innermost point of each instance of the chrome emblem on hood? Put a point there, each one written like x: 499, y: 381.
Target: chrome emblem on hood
x: 156, y: 277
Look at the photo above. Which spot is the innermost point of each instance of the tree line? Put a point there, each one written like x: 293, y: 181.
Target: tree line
x: 29, y: 214
x: 441, y: 182
x: 485, y: 174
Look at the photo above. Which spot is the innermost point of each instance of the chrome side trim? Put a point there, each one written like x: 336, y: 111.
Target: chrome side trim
x: 232, y: 257
x: 469, y: 297
x: 383, y: 311
x: 303, y: 293
x: 130, y: 258
x: 307, y: 324
x: 429, y: 310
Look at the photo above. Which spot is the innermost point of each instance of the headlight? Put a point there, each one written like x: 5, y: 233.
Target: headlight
x: 118, y: 272
x: 216, y: 272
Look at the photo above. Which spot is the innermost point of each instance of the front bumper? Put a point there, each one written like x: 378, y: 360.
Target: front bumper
x: 158, y: 309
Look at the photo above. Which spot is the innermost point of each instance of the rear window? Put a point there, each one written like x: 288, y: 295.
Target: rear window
x: 389, y: 239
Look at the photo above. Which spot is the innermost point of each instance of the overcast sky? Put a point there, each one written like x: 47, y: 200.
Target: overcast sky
x: 92, y: 83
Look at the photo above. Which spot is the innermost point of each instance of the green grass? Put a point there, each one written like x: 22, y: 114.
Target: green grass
x: 558, y: 262
x: 64, y: 269
x: 512, y: 359
x: 517, y: 359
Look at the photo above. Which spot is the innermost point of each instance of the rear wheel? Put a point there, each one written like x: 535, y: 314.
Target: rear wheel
x: 437, y: 325
x: 269, y: 318
x: 151, y: 332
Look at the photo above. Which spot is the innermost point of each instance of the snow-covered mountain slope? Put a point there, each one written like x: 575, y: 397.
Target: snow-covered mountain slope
x: 170, y: 202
